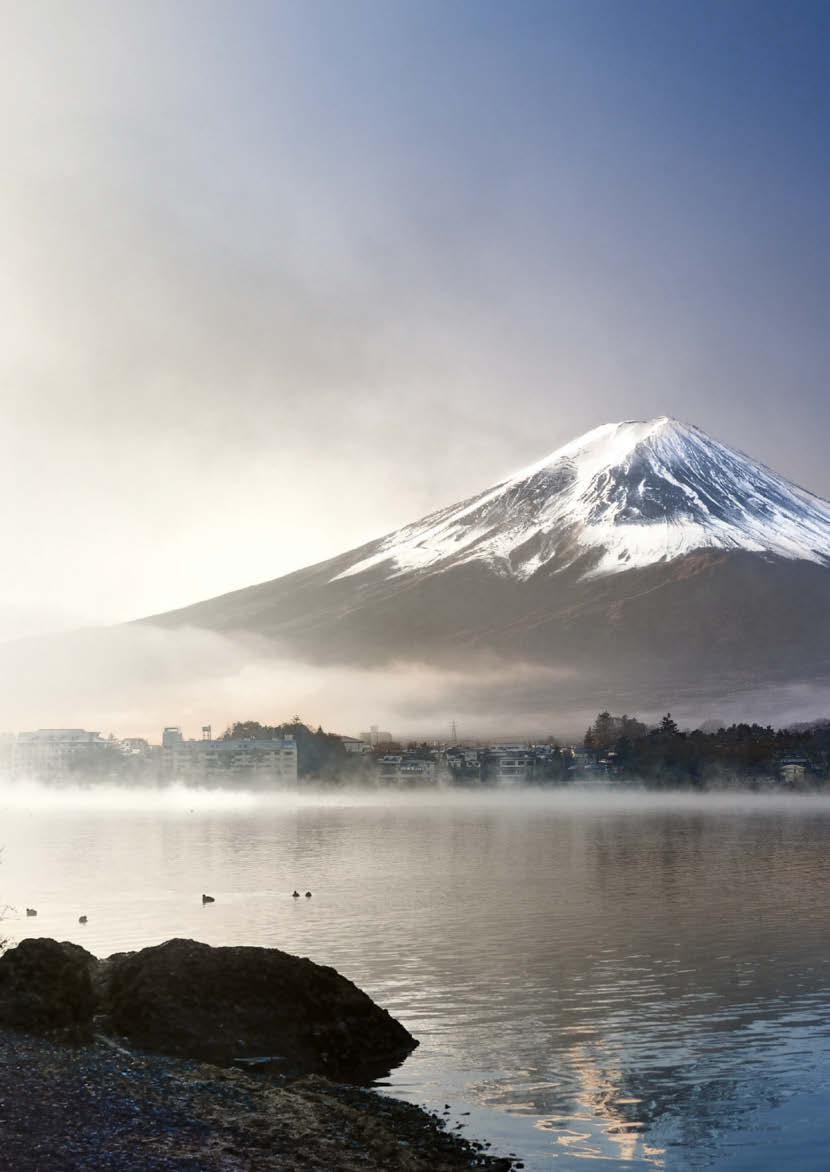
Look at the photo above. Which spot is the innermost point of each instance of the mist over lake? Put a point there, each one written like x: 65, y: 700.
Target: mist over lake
x: 601, y: 980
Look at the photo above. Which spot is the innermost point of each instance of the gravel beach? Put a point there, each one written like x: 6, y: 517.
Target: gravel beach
x: 98, y: 1107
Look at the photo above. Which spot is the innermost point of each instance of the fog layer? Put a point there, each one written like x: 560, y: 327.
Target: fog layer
x: 133, y: 680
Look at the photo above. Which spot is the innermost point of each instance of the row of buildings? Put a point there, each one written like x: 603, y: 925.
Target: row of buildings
x: 502, y: 763
x: 65, y: 754
x: 73, y: 753
x: 267, y: 762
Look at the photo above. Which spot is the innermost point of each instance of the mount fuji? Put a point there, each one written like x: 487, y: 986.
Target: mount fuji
x: 622, y: 496
x: 643, y: 557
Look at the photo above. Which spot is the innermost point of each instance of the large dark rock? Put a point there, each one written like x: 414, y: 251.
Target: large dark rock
x: 46, y: 987
x: 192, y: 1000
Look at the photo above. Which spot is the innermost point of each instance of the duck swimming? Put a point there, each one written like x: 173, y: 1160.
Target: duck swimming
x: 208, y: 899
x: 295, y: 895
x: 82, y: 919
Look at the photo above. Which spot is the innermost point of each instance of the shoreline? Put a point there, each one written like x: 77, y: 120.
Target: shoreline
x: 98, y: 1106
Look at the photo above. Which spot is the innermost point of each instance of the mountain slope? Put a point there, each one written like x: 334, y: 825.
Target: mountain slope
x: 643, y: 556
x: 632, y: 493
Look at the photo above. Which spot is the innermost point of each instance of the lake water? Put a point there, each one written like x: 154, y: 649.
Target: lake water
x: 602, y: 981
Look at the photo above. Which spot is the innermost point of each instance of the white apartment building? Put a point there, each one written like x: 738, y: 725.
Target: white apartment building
x: 355, y: 745
x: 50, y: 753
x: 251, y: 760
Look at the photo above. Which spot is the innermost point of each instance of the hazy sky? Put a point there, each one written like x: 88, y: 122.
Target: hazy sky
x: 279, y: 277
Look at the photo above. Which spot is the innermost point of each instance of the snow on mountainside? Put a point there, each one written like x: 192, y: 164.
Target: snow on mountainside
x: 625, y: 494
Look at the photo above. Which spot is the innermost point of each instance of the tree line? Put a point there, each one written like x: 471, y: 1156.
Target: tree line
x: 665, y: 755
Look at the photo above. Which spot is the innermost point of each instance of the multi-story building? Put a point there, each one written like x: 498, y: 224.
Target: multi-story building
x: 507, y: 763
x: 416, y: 771
x: 376, y: 736
x: 463, y: 764
x: 407, y: 769
x: 250, y: 760
x: 355, y: 745
x: 51, y: 753
x: 389, y: 766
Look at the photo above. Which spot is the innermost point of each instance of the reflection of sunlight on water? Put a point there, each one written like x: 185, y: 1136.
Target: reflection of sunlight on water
x: 605, y: 1115
x: 613, y: 1129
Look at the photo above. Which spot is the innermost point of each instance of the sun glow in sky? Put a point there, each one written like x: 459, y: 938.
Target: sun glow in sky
x: 280, y: 277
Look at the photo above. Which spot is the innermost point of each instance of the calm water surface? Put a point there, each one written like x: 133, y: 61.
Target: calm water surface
x: 602, y: 981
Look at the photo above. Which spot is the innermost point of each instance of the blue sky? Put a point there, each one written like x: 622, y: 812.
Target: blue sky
x: 280, y: 277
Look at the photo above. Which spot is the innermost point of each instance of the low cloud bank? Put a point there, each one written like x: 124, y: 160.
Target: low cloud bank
x: 135, y: 679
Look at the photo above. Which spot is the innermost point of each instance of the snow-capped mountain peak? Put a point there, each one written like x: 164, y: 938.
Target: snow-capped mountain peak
x: 624, y: 494
x: 604, y: 446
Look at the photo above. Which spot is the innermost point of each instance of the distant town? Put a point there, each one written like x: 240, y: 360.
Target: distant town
x: 614, y: 750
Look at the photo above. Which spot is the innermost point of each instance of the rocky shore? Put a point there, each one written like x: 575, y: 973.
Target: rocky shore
x: 88, y: 1083
x: 191, y: 1000
x: 93, y: 1108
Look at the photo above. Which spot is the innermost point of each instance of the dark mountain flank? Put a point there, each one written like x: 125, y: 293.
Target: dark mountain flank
x: 644, y: 556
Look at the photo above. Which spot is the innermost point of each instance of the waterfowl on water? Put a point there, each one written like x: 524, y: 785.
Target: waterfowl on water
x: 82, y: 919
x: 308, y: 895
x: 208, y: 899
x: 30, y: 911
x: 295, y: 895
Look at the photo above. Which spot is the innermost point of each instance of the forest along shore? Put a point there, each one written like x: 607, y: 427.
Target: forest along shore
x: 99, y: 1106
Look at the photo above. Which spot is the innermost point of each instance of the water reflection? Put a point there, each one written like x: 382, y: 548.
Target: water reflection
x: 598, y: 982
